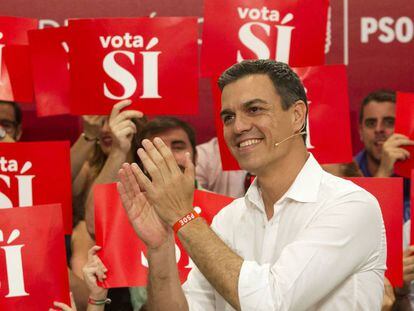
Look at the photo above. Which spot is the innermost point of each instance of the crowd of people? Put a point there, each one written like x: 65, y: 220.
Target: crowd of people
x: 296, y: 238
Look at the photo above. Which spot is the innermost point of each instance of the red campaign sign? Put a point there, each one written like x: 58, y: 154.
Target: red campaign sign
x: 122, y: 252
x: 13, y: 30
x: 404, y: 124
x: 36, y: 173
x: 17, y: 61
x: 322, y: 83
x: 50, y: 70
x: 389, y: 193
x: 153, y: 61
x: 33, y: 270
x: 289, y: 31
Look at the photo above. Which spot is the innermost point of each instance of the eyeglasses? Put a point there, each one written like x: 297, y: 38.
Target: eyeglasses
x: 8, y: 126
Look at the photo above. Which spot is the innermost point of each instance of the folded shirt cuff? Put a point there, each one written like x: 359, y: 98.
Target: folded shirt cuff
x: 254, y: 287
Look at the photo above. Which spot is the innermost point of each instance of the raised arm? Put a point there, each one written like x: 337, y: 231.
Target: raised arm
x: 81, y: 149
x: 164, y: 281
x: 122, y: 130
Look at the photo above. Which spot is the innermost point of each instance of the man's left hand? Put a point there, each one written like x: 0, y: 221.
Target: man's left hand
x: 170, y: 190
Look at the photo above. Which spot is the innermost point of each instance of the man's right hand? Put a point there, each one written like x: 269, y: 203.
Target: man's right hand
x: 142, y: 215
x: 392, y: 151
x: 122, y: 127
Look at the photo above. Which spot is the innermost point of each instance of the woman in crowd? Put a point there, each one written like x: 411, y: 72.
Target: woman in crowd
x: 96, y: 158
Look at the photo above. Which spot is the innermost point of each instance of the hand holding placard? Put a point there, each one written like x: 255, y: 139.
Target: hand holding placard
x: 392, y: 152
x: 122, y: 127
x: 94, y: 271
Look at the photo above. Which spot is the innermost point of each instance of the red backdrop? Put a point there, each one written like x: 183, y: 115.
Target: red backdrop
x: 378, y: 56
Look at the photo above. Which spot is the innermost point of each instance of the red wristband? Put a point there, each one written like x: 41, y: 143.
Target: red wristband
x: 185, y: 220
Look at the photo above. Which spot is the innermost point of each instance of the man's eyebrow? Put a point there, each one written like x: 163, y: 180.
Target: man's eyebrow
x: 226, y: 112
x: 254, y: 101
x: 245, y: 105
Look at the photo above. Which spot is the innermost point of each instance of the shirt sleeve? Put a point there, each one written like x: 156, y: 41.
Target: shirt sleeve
x: 341, y: 239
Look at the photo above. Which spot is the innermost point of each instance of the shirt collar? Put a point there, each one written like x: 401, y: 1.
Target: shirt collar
x: 305, y: 188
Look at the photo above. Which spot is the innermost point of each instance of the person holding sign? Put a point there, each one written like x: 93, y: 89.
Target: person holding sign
x: 300, y: 239
x: 382, y: 149
x: 114, y: 148
x: 112, y: 145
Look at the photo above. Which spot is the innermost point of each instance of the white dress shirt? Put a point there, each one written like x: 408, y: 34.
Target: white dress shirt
x: 323, y: 249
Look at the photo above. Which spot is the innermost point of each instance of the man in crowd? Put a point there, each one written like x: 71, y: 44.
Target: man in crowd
x: 178, y: 135
x: 382, y: 149
x: 282, y: 246
x: 10, y: 122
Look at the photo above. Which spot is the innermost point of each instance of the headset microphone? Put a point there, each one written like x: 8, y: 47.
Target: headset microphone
x: 289, y: 137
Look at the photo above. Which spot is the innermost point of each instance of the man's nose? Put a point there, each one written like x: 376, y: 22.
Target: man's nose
x: 241, y: 124
x: 380, y: 127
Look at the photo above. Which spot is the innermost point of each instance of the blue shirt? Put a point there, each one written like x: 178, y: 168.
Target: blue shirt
x: 362, y: 161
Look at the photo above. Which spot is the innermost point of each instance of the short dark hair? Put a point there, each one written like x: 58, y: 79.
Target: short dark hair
x: 162, y: 124
x: 17, y: 111
x: 285, y: 81
x: 378, y: 96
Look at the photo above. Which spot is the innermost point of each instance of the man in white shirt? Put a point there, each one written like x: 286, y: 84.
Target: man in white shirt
x: 301, y: 239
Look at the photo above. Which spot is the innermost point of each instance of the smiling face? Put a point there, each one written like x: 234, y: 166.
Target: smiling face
x: 376, y: 126
x: 254, y: 121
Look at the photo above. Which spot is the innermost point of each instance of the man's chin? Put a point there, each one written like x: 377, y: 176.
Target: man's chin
x: 248, y: 166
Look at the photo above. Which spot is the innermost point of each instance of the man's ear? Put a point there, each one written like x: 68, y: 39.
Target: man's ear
x: 299, y: 115
x: 19, y: 132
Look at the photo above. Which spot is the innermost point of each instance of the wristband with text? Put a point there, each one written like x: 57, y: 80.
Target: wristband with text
x: 95, y: 302
x: 185, y: 220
